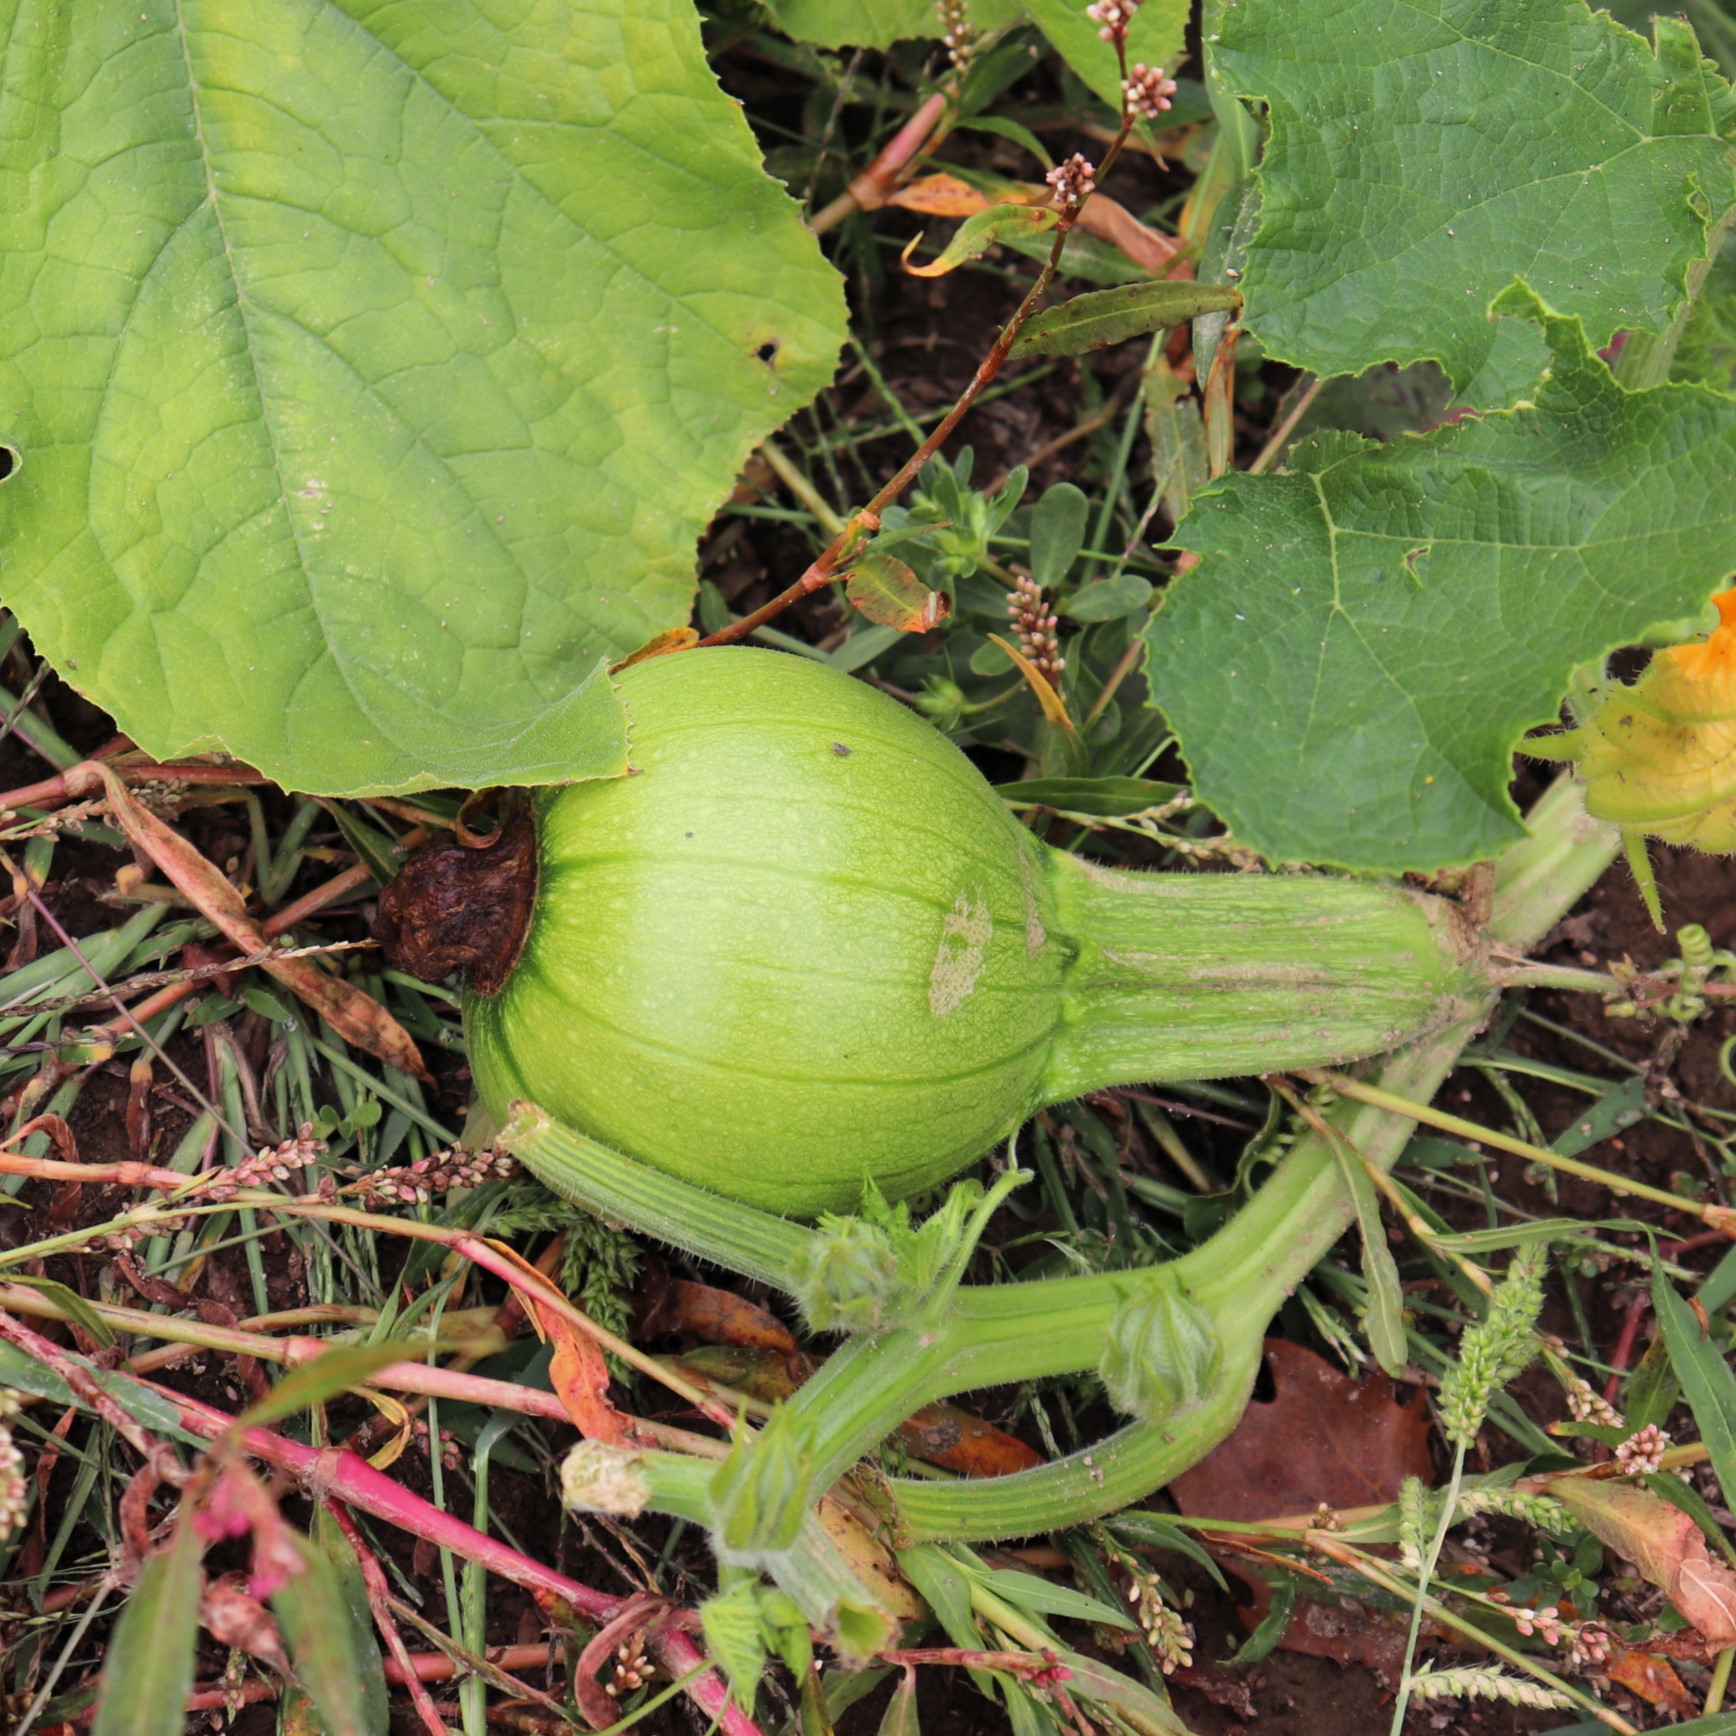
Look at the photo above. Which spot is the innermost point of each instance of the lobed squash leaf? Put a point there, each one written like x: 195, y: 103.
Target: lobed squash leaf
x: 1421, y: 158
x: 1352, y: 664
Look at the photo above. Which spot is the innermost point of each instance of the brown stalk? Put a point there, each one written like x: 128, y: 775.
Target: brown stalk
x: 848, y: 543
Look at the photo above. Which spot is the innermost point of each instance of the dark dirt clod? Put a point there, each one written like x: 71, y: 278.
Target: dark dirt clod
x: 463, y: 906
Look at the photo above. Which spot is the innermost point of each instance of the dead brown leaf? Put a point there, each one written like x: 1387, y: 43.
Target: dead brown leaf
x: 1321, y: 1438
x: 1652, y: 1679
x: 942, y: 195
x: 357, y: 1017
x: 1665, y: 1544
x: 579, y: 1375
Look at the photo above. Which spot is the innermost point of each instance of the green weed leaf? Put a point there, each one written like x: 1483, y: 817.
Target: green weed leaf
x: 1109, y: 599
x: 877, y: 23
x: 1057, y: 533
x: 375, y: 368
x: 1421, y: 159
x: 332, y: 1372
x: 149, y: 1671
x: 1110, y: 316
x: 1154, y: 37
x: 985, y: 229
x: 1707, y: 1383
x: 1367, y: 638
x: 332, y: 1654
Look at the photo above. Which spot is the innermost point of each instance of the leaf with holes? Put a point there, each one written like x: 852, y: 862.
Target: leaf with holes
x: 375, y: 367
x: 1421, y: 159
x: 1366, y: 639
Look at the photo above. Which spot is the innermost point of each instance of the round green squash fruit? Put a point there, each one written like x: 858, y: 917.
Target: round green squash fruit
x: 803, y: 946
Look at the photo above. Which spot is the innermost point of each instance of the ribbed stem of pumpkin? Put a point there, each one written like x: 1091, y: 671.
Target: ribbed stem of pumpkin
x: 1194, y: 976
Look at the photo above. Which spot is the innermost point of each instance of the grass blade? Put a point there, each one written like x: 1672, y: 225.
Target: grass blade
x: 149, y: 1672
x: 1707, y: 1383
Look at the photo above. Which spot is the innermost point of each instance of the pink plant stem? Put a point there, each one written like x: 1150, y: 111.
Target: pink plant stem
x: 437, y: 1667
x: 873, y: 187
x: 336, y: 1473
x: 78, y: 1377
x: 1623, y: 1353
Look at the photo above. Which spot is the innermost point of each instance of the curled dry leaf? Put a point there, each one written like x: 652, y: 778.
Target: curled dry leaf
x: 710, y: 1315
x: 357, y: 1017
x: 1666, y: 1546
x: 579, y: 1373
x: 1103, y: 217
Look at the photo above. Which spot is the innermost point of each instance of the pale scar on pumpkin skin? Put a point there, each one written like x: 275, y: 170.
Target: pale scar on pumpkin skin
x: 965, y: 932
x: 1036, y: 936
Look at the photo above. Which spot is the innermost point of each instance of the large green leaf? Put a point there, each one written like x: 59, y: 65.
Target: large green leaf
x: 878, y: 23
x: 1423, y: 156
x: 1154, y: 37
x: 1367, y: 637
x: 375, y: 366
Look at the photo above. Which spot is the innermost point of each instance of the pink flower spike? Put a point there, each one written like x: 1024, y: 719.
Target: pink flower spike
x: 1146, y: 92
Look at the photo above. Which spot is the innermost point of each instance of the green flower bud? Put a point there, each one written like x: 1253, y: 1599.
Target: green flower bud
x: 762, y: 1491
x: 942, y: 702
x: 847, y: 1276
x: 1163, y: 1352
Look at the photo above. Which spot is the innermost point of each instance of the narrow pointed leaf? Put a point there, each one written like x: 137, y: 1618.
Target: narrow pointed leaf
x: 1109, y: 797
x: 330, y: 1373
x: 149, y: 1671
x: 1110, y: 316
x: 976, y: 235
x: 1707, y: 1382
x: 327, y: 1652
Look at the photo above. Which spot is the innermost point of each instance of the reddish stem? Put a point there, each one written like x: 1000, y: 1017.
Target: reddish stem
x: 1622, y: 1355
x: 843, y: 547
x: 380, y: 1604
x: 340, y: 886
x: 83, y: 779
x: 337, y: 1473
x: 873, y: 187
